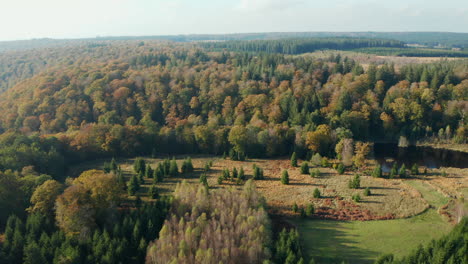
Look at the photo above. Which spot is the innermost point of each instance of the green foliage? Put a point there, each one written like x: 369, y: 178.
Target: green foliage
x: 294, y: 159
x: 309, y: 210
x: 241, y: 175
x: 304, y: 168
x: 394, y: 171
x: 257, y: 173
x: 139, y: 165
x: 187, y: 166
x: 402, y: 171
x: 173, y: 169
x: 287, y: 247
x: 133, y: 185
x: 316, y: 193
x: 448, y: 249
x: 325, y: 163
x: 355, y: 183
x: 367, y: 191
x: 295, y: 208
x: 377, y: 172
x: 220, y: 180
x: 204, y: 179
x: 285, y: 177
x: 316, y: 159
x: 356, y: 198
x: 153, y: 192
x: 340, y: 169
x: 234, y: 173
x: 415, y: 169
x: 315, y: 173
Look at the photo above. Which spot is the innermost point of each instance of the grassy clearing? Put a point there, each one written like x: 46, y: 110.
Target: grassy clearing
x: 389, y: 197
x: 362, y: 242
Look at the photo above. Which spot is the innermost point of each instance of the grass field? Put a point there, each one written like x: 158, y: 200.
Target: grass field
x: 362, y: 242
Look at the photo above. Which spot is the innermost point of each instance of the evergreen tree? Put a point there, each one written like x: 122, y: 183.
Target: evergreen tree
x: 234, y: 173
x: 285, y: 177
x: 309, y: 210
x: 173, y: 169
x: 295, y: 208
x: 148, y: 171
x: 294, y: 159
x: 415, y: 169
x: 402, y: 171
x: 377, y: 173
x: 153, y: 192
x: 304, y: 168
x: 133, y: 186
x: 367, y: 191
x: 113, y: 165
x: 355, y: 183
x: 340, y: 168
x: 394, y: 171
x: 241, y: 174
x: 317, y: 193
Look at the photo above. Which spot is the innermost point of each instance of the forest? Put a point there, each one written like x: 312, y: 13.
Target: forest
x: 85, y: 101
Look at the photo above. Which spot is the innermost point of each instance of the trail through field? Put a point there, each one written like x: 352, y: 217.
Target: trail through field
x: 363, y: 242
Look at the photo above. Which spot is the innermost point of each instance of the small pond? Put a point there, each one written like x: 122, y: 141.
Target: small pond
x: 387, y: 153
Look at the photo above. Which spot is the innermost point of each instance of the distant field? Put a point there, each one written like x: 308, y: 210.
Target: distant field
x: 362, y: 242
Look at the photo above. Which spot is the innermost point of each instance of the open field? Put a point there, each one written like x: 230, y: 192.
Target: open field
x: 416, y: 203
x: 363, y: 241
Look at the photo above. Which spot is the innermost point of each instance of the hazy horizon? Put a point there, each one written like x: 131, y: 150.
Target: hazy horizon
x: 28, y: 19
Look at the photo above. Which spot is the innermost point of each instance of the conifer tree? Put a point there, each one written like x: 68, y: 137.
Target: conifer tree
x: 304, y: 168
x: 377, y: 173
x: 317, y: 193
x: 294, y: 159
x: 285, y: 177
x: 133, y: 185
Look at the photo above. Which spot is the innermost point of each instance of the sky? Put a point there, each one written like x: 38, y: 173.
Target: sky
x: 26, y: 19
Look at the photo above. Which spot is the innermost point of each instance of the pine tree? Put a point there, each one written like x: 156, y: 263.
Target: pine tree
x: 294, y: 159
x: 148, y: 171
x: 415, y: 169
x: 317, y: 193
x: 310, y: 210
x: 355, y: 183
x: 367, y: 191
x: 304, y: 168
x: 153, y: 192
x: 295, y: 208
x: 285, y: 177
x: 173, y: 169
x: 340, y: 169
x: 133, y: 185
x: 113, y: 165
x: 234, y: 173
x: 377, y: 173
x: 394, y: 171
x: 402, y: 171
x: 241, y: 174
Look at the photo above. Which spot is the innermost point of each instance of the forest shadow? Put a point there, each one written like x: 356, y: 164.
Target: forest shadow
x: 328, y: 242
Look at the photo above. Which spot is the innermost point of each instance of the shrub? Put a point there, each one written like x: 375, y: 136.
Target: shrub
x: 316, y: 193
x: 220, y: 180
x: 234, y: 173
x: 226, y: 175
x: 402, y: 171
x: 394, y: 171
x: 355, y: 183
x: 257, y: 173
x: 316, y: 159
x: 241, y: 174
x: 415, y: 169
x: 294, y: 159
x: 325, y: 162
x: 295, y: 208
x: 367, y: 191
x: 285, y: 177
x: 340, y: 169
x: 173, y: 169
x: 356, y: 198
x: 377, y: 173
x: 310, y: 210
x: 304, y: 168
x: 315, y: 173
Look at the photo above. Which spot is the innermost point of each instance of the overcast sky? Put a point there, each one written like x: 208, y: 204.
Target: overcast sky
x: 25, y: 19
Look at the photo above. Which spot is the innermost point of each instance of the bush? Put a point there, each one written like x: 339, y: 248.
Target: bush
x: 355, y: 183
x: 394, y: 170
x: 220, y: 180
x: 367, y: 191
x: 315, y: 173
x: 415, y: 169
x: 294, y: 159
x: 257, y: 173
x: 295, y: 208
x: 304, y: 168
x: 226, y: 175
x: 285, y: 177
x: 241, y: 174
x: 356, y: 198
x: 204, y: 179
x: 310, y: 210
x: 402, y: 171
x: 325, y: 162
x: 377, y: 173
x: 316, y: 159
x: 316, y: 193
x: 340, y: 169
x: 234, y: 173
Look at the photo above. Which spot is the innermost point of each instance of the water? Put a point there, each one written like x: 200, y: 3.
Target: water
x: 386, y: 154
